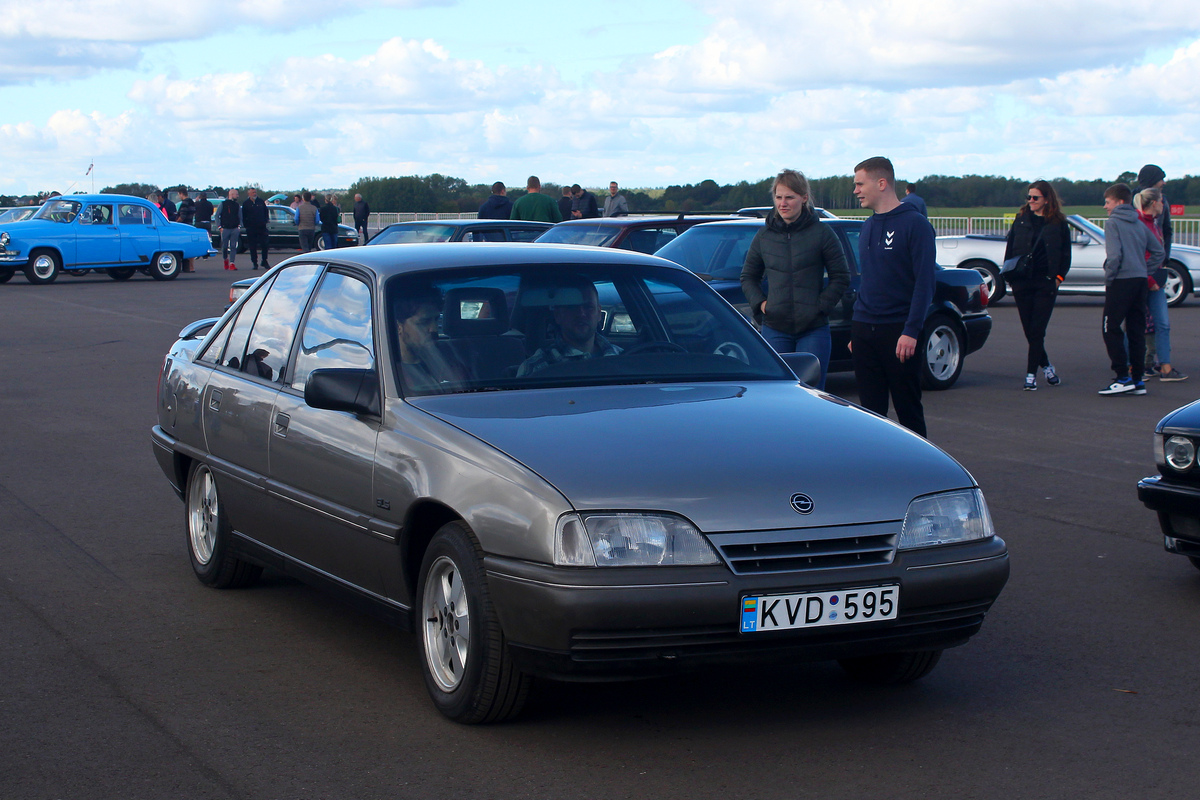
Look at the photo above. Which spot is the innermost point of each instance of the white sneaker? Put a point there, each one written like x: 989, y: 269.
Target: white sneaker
x: 1122, y: 386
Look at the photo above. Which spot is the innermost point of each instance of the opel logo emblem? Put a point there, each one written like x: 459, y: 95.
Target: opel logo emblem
x: 802, y: 503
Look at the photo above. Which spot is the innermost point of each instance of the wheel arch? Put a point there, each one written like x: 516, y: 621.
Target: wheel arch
x: 424, y: 519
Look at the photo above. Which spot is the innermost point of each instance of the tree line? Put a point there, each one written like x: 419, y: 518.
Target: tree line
x: 447, y: 194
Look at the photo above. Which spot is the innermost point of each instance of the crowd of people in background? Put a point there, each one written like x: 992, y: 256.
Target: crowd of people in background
x: 575, y: 203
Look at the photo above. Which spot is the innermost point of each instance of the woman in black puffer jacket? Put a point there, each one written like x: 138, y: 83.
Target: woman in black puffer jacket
x: 1041, y: 230
x: 805, y: 269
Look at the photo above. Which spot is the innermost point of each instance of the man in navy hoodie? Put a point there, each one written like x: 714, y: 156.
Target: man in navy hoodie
x: 896, y: 257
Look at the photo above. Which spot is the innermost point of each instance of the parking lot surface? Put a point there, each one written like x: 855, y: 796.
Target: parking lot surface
x: 124, y: 677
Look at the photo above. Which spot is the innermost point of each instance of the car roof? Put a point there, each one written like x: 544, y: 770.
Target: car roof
x: 395, y: 259
x: 630, y: 221
x: 758, y: 222
x: 98, y: 198
x: 460, y: 222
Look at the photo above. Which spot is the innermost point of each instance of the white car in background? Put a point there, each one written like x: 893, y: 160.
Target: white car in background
x: 986, y: 254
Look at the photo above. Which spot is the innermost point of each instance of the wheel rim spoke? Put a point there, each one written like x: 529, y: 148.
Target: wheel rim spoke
x: 447, y: 631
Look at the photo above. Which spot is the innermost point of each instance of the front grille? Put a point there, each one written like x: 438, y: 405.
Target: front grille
x: 804, y: 549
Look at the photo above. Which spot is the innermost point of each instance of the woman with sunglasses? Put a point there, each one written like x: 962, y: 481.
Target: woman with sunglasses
x: 1041, y: 232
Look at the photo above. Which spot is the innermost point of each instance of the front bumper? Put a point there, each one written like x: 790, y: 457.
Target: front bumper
x: 608, y: 623
x: 1178, y: 508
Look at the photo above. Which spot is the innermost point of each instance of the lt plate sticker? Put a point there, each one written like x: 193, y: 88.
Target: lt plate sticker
x: 817, y: 609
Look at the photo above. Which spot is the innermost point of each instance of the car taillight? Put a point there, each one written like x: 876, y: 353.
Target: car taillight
x: 983, y: 295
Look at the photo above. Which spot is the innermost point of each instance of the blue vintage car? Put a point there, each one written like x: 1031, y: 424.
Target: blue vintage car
x: 112, y: 233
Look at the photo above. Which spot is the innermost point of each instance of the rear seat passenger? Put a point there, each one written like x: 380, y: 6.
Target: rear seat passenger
x: 475, y: 323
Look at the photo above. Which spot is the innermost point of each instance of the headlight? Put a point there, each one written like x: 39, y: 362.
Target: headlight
x: 4, y: 238
x: 1180, y: 453
x: 960, y: 516
x: 611, y: 539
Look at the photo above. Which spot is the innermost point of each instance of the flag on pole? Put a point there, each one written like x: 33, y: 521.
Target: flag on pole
x: 89, y: 172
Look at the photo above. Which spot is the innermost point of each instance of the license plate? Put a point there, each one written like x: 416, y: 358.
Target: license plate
x: 781, y: 612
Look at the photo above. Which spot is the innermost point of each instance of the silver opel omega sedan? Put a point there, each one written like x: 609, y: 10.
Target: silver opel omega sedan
x: 566, y: 462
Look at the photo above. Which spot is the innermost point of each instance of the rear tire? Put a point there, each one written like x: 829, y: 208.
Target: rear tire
x: 468, y: 669
x: 165, y: 266
x: 1195, y: 561
x: 942, y: 350
x: 991, y: 279
x: 209, y: 535
x: 892, y: 669
x: 44, y: 267
x: 1178, y: 285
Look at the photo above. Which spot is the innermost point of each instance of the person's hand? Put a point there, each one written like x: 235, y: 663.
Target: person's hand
x: 1058, y: 280
x: 1153, y: 284
x: 762, y: 307
x: 905, y: 347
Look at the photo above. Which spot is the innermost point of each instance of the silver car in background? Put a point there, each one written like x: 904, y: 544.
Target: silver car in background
x: 670, y: 498
x: 1086, y: 276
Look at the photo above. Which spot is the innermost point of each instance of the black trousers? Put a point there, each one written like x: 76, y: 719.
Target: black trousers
x: 880, y: 374
x: 256, y: 239
x: 1125, y: 302
x: 1035, y: 303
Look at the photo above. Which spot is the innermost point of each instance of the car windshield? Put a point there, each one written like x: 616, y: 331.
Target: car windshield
x: 415, y: 232
x: 567, y: 325
x: 1084, y: 224
x: 59, y: 211
x: 717, y: 251
x: 596, y: 235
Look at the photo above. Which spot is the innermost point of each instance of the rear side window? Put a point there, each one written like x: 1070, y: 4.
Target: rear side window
x: 229, y: 347
x: 273, y: 331
x: 524, y: 234
x: 337, y: 333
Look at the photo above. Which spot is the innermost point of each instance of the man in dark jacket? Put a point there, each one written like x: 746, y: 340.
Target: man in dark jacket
x: 497, y: 206
x: 187, y: 207
x: 254, y: 220
x: 1152, y: 176
x: 897, y: 264
x: 204, y: 213
x: 584, y: 205
x: 362, y: 213
x: 330, y: 214
x: 230, y: 219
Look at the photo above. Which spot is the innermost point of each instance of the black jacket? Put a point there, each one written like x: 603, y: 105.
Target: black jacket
x: 204, y: 211
x: 1052, y: 255
x: 187, y: 210
x: 254, y: 214
x: 330, y: 214
x: 362, y: 212
x: 230, y: 214
x: 497, y: 206
x: 795, y: 259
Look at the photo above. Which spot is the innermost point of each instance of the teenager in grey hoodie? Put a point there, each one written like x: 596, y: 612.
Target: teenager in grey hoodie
x: 1126, y: 268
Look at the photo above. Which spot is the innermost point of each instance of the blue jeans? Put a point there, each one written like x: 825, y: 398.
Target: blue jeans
x: 1156, y: 304
x: 816, y: 341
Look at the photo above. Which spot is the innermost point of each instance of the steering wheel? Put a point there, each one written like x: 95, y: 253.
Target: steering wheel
x: 647, y: 347
x: 733, y: 350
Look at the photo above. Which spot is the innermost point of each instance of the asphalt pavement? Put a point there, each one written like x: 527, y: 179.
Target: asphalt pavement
x: 123, y: 677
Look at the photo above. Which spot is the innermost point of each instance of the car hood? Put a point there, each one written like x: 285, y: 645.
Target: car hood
x: 728, y: 457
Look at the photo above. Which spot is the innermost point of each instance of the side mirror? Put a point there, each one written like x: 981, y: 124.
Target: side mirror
x: 353, y: 390
x: 806, y: 366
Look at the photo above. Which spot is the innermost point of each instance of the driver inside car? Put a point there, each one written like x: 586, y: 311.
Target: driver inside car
x: 576, y: 310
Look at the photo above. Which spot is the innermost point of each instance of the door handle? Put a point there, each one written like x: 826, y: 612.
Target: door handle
x: 281, y: 425
x: 214, y: 400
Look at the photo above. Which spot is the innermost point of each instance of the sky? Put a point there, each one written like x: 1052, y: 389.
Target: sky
x: 317, y: 94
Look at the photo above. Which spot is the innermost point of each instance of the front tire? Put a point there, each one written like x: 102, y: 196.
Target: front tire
x: 209, y: 535
x: 44, y: 267
x: 6, y: 275
x: 1178, y: 285
x: 892, y: 669
x: 992, y: 279
x: 468, y: 670
x: 165, y: 266
x: 941, y: 351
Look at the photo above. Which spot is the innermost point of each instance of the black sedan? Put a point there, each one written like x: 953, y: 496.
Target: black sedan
x: 1175, y: 493
x: 460, y: 230
x: 956, y: 325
